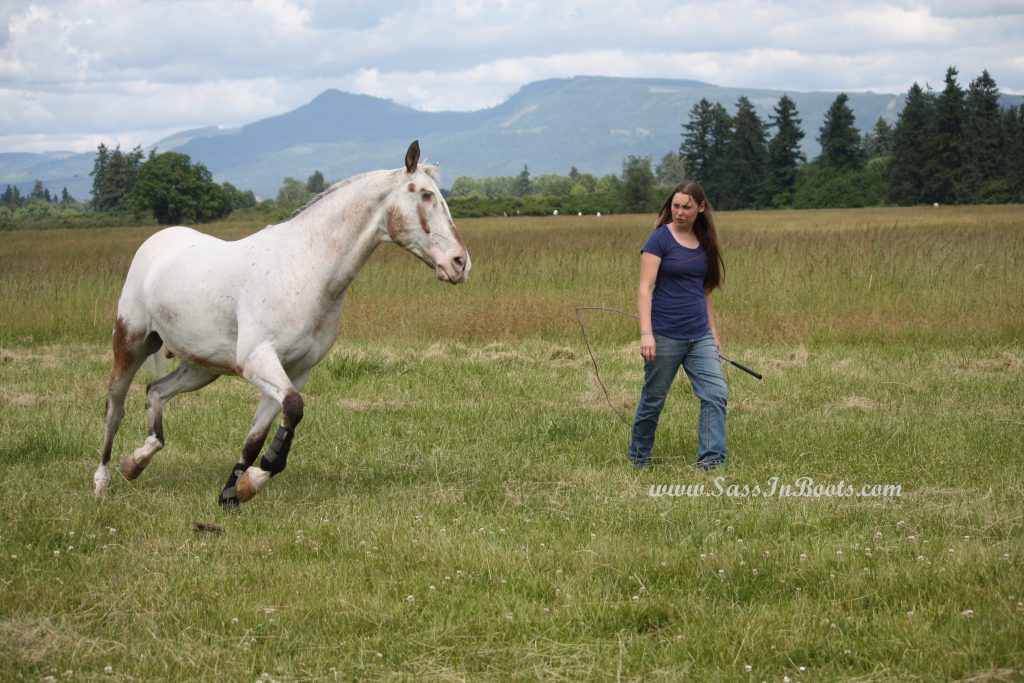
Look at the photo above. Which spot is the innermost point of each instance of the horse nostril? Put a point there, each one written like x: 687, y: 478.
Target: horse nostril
x: 460, y: 262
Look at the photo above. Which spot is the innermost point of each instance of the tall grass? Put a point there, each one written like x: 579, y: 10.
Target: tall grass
x: 844, y: 275
x: 458, y: 504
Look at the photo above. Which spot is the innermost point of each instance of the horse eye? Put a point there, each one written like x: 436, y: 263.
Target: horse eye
x: 427, y: 197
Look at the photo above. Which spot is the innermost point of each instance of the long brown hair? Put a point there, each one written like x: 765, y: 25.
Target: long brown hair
x: 703, y: 227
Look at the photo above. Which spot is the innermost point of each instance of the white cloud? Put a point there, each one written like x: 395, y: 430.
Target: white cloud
x: 77, y: 69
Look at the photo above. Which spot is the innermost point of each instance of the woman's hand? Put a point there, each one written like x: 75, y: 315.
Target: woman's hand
x: 647, y: 347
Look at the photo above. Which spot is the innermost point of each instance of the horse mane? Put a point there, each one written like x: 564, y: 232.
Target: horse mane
x: 432, y: 170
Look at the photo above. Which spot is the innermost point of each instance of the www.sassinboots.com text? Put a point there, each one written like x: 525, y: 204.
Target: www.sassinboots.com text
x: 774, y: 487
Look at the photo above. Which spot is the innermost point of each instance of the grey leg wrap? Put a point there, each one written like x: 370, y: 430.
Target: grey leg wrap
x: 276, y: 457
x: 228, y: 497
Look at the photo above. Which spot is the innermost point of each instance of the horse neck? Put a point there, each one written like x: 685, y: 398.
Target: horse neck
x: 341, y: 229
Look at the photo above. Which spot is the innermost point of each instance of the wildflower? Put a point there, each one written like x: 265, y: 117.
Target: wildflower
x: 901, y: 524
x: 839, y: 553
x: 967, y: 614
x: 410, y: 598
x: 508, y: 616
x: 912, y: 539
x: 765, y: 554
x: 729, y: 529
x: 878, y: 535
x: 950, y: 551
x: 803, y: 557
x: 748, y: 668
x: 108, y: 669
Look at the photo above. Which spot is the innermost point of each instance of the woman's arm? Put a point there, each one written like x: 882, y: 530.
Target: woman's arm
x: 649, y: 264
x: 711, y: 320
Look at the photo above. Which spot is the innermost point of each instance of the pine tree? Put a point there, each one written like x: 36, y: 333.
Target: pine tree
x: 784, y: 154
x: 704, y: 146
x: 114, y: 175
x: 521, y: 187
x: 839, y: 138
x: 878, y: 142
x: 1013, y: 133
x: 982, y: 149
x: 949, y: 120
x: 913, y: 150
x: 743, y: 182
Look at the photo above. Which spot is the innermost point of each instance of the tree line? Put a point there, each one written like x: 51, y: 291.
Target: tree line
x: 954, y: 147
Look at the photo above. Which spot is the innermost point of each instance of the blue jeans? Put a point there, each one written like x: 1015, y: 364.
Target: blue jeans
x: 699, y: 358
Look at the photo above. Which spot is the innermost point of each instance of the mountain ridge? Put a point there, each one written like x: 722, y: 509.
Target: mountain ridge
x: 589, y: 122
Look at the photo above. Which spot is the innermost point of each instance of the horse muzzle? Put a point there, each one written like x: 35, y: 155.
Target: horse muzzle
x: 453, y: 268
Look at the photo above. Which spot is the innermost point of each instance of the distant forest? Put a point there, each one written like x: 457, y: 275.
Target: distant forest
x: 956, y: 146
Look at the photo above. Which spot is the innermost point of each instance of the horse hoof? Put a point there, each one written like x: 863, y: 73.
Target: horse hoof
x: 228, y: 500
x: 101, y: 481
x: 131, y: 468
x: 250, y: 483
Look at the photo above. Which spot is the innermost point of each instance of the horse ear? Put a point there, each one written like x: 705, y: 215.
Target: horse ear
x: 412, y: 157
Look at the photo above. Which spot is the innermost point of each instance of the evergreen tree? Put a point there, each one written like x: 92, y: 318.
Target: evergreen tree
x: 698, y: 140
x: 839, y: 138
x: 1013, y: 133
x: 784, y: 154
x: 12, y: 198
x: 913, y: 150
x: 39, y: 192
x: 878, y: 142
x: 114, y: 175
x: 522, y: 183
x: 743, y: 182
x: 949, y: 122
x: 65, y: 197
x: 704, y: 144
x: 982, y: 148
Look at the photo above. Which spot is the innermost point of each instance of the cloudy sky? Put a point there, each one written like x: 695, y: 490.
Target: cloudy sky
x: 74, y: 73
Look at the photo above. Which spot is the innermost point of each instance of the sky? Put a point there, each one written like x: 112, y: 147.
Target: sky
x: 75, y: 73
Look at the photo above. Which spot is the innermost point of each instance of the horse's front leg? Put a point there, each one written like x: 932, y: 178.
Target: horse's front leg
x: 263, y: 368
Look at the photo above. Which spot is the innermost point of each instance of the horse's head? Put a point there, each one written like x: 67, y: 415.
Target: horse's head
x: 417, y: 219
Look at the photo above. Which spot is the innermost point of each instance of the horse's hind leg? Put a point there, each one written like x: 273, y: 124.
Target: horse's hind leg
x: 129, y: 353
x: 184, y: 378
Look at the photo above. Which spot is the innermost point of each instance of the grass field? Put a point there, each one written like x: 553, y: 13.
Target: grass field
x: 458, y: 504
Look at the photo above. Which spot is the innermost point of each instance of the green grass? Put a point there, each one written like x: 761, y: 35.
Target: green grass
x: 458, y: 504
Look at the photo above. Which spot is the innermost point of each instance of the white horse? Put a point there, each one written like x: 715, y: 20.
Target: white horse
x: 266, y: 307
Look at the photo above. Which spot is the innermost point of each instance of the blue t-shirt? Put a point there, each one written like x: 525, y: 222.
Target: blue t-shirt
x: 678, y: 308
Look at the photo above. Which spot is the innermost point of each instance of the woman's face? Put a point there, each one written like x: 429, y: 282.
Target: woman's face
x: 684, y: 210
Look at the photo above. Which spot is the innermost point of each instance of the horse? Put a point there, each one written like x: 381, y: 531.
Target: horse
x: 266, y: 307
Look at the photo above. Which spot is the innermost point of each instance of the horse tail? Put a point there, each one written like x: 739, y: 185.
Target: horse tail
x: 158, y: 362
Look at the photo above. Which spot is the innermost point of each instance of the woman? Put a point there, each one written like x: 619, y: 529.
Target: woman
x: 680, y: 265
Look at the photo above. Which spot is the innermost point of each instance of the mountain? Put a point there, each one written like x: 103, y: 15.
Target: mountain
x: 590, y: 122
